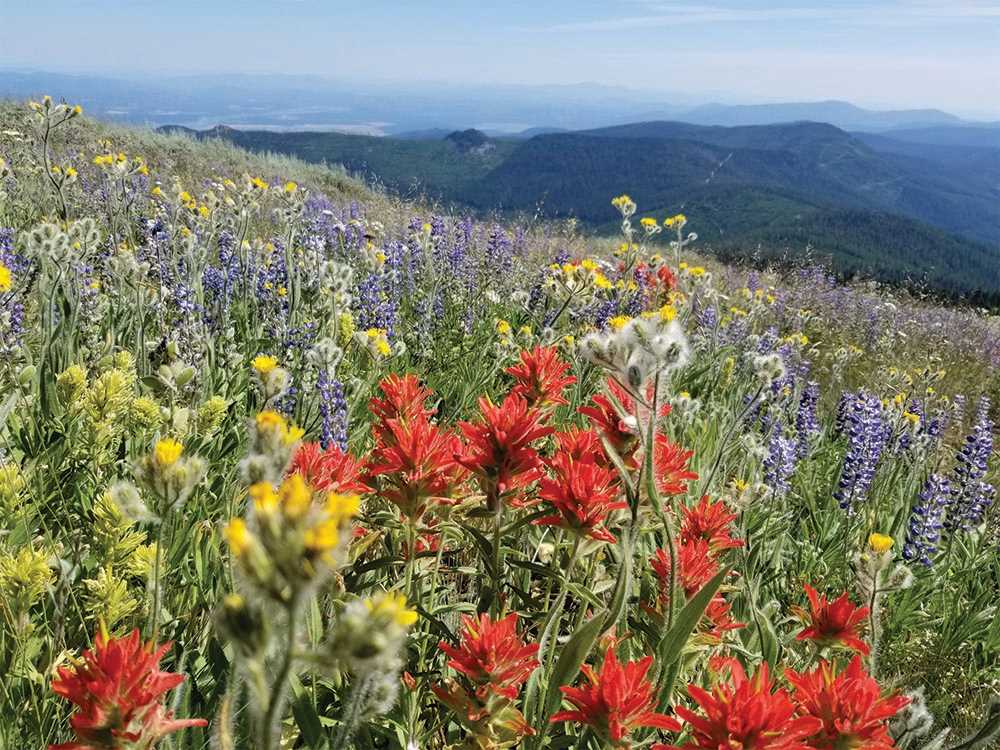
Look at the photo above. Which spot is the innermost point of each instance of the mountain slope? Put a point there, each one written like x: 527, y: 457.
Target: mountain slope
x: 665, y: 162
x: 870, y: 207
x: 441, y: 167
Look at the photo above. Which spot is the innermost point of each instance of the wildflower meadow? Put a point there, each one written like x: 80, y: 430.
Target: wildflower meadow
x: 289, y: 463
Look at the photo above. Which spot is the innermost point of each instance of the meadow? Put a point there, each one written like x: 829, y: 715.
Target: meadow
x: 287, y: 462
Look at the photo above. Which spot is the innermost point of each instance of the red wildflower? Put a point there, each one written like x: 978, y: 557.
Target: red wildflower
x: 581, y: 445
x: 617, y: 700
x: 719, y: 614
x: 584, y: 493
x: 416, y: 462
x: 670, y: 463
x: 330, y: 470
x: 492, y: 655
x: 541, y: 377
x: 745, y: 713
x: 667, y: 278
x: 404, y: 401
x: 849, y: 705
x: 709, y: 521
x: 696, y: 566
x: 834, y: 623
x: 499, y: 448
x: 615, y: 421
x: 117, y: 687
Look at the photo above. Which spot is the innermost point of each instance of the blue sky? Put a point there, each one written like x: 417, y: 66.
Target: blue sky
x: 890, y: 53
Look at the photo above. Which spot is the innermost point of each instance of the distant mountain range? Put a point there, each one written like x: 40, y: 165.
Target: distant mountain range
x: 897, y: 209
x: 297, y: 102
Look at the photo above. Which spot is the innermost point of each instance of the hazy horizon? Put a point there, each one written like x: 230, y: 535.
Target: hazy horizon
x: 891, y: 54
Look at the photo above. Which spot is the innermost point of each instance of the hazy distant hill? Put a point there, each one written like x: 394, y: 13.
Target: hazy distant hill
x: 959, y: 135
x: 868, y: 202
x: 842, y: 114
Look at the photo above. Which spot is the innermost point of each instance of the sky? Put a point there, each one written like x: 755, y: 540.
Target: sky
x: 884, y: 54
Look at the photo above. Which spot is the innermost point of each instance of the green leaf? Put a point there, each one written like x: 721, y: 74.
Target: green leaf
x: 306, y: 717
x: 485, y: 547
x: 567, y: 667
x: 623, y: 583
x: 672, y: 644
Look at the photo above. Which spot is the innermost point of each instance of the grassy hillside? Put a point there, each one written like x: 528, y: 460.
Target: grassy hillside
x: 784, y: 187
x: 437, y: 167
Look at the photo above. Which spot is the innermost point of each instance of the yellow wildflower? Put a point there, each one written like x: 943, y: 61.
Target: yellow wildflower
x: 880, y: 543
x: 167, y: 452
x: 237, y: 536
x: 6, y: 278
x: 296, y: 497
x: 264, y: 363
x: 265, y: 499
x: 393, y: 607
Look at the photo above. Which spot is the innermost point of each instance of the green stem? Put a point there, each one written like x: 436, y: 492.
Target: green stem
x: 269, y: 728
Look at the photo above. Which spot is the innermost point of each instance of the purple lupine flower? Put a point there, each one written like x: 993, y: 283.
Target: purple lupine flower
x: 779, y: 464
x: 926, y: 520
x: 806, y: 423
x: 707, y: 318
x: 333, y: 410
x: 867, y: 437
x: 499, y: 256
x: 844, y: 406
x: 970, y: 495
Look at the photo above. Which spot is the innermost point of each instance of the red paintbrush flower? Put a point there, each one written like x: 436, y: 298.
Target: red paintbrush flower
x: 710, y: 521
x: 667, y: 278
x: 584, y: 493
x: 117, y: 687
x: 616, y: 700
x: 745, y: 713
x: 697, y: 566
x: 615, y: 421
x: 404, y: 401
x: 330, y: 470
x: 833, y: 623
x: 541, y: 377
x: 416, y: 463
x: 499, y: 449
x: 719, y: 614
x: 492, y: 655
x: 670, y: 463
x: 849, y: 705
x: 582, y: 445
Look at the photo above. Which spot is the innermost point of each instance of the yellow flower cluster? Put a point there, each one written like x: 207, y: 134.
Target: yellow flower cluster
x: 273, y: 424
x: 377, y: 341
x: 290, y: 535
x: 579, y: 276
x: 167, y: 452
x: 880, y: 543
x: 392, y: 606
x: 264, y: 363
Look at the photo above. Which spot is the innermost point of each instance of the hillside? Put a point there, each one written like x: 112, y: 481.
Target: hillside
x: 439, y: 167
x: 775, y: 189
